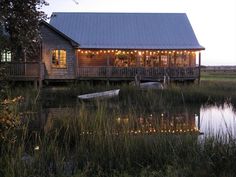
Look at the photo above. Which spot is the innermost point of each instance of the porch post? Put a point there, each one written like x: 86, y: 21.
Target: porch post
x: 76, y: 65
x: 169, y: 59
x: 175, y: 59
x: 108, y: 72
x: 199, y: 67
x: 108, y: 60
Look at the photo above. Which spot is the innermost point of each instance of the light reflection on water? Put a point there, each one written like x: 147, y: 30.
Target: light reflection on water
x: 210, y: 120
x: 218, y: 120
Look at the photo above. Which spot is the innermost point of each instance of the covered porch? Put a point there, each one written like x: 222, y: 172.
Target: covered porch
x: 149, y: 64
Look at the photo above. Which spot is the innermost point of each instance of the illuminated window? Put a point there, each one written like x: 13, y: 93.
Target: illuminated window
x: 156, y: 61
x: 5, y: 56
x: 179, y: 61
x: 164, y: 60
x: 59, y: 58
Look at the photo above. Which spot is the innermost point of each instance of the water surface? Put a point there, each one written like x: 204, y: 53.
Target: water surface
x: 202, y: 120
x: 218, y: 120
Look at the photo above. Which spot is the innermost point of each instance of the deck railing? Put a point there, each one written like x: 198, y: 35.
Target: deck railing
x: 22, y: 70
x: 144, y: 72
x: 35, y: 70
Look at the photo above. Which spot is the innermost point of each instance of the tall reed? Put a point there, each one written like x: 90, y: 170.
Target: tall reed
x: 103, y: 138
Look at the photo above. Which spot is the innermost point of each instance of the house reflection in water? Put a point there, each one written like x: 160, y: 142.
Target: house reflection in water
x: 176, y: 121
x: 168, y: 122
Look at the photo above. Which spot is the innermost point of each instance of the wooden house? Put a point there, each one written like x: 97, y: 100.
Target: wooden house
x: 117, y: 46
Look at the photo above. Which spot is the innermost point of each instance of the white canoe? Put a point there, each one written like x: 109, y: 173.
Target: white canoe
x: 106, y: 94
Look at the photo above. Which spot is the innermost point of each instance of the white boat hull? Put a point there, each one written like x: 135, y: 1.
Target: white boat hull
x: 106, y: 94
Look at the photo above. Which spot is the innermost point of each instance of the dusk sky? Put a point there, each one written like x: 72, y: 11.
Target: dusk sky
x: 214, y: 22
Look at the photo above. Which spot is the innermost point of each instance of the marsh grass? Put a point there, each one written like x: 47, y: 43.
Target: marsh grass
x: 219, y: 76
x: 87, y: 141
x: 208, y: 92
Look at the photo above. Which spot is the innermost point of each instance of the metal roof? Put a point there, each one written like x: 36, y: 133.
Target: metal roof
x: 127, y: 30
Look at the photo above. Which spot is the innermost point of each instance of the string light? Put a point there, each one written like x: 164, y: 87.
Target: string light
x: 136, y: 132
x: 139, y: 52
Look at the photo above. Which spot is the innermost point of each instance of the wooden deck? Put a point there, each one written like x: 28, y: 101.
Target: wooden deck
x: 35, y: 71
x: 128, y: 73
x: 22, y: 71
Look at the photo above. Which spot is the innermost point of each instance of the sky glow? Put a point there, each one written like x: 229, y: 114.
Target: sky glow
x: 213, y: 21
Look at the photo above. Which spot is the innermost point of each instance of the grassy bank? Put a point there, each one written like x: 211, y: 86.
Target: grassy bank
x: 219, y: 76
x: 88, y: 141
x: 208, y: 92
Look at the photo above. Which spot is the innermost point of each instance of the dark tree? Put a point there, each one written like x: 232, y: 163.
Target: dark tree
x: 21, y: 18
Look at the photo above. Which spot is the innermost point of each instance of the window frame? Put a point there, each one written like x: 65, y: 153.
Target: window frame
x: 164, y: 60
x: 59, y: 66
x: 6, y: 56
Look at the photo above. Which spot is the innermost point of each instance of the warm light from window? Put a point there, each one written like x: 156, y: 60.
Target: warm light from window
x: 59, y: 58
x: 6, y: 56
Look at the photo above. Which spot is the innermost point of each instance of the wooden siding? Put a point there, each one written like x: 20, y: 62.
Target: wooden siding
x: 51, y: 41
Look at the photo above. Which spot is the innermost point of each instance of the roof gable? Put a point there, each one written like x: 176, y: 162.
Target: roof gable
x: 72, y: 42
x: 127, y: 30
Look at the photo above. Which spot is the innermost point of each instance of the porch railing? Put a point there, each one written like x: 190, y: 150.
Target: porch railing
x: 22, y: 69
x: 144, y: 72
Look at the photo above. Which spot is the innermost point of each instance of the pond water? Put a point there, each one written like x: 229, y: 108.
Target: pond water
x: 218, y: 120
x: 210, y: 120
